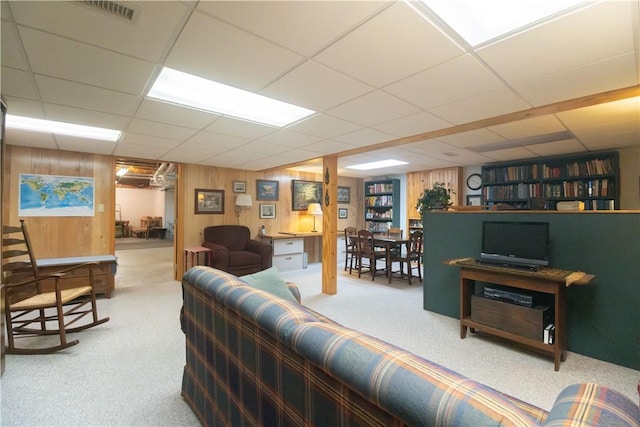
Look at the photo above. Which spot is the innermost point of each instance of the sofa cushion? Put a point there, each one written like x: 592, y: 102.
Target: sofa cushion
x: 269, y: 280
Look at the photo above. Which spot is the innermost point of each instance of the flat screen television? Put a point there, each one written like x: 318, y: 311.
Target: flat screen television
x: 515, y: 244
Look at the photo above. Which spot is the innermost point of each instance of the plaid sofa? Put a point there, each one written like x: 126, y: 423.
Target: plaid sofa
x: 253, y: 359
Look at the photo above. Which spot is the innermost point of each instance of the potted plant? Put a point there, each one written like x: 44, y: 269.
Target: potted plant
x: 437, y: 197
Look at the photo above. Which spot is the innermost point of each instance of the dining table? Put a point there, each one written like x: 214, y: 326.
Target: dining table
x: 390, y: 244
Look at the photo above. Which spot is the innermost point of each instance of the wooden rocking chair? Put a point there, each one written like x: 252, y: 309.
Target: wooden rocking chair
x: 30, y: 308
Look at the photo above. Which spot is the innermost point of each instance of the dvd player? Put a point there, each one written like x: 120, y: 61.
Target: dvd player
x: 519, y: 298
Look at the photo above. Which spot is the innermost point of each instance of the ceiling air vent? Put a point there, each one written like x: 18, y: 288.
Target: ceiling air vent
x: 112, y: 8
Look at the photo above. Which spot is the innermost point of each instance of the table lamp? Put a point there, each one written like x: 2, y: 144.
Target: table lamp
x: 314, y: 209
x: 242, y: 201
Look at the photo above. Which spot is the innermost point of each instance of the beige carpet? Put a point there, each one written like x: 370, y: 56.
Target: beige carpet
x: 128, y: 371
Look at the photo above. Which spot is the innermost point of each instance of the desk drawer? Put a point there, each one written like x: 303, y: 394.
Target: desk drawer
x: 288, y: 262
x: 288, y: 246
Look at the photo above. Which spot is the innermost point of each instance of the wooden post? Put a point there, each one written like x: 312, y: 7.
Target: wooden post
x: 329, y: 224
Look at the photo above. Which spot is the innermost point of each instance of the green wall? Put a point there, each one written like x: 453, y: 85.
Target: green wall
x: 603, y: 317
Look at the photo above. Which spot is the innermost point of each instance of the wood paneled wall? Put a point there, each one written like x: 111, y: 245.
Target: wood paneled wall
x: 54, y: 237
x: 418, y: 181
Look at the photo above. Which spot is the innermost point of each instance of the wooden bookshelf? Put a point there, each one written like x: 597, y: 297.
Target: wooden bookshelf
x: 382, y: 205
x: 589, y: 178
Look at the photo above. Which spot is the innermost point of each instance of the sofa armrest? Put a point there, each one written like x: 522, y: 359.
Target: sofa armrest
x: 220, y: 255
x: 264, y: 249
x: 593, y: 405
x: 294, y: 290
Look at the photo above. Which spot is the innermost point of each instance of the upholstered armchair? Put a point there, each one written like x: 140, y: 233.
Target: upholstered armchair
x: 233, y: 250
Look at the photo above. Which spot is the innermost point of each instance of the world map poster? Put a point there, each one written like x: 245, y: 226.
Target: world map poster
x: 53, y: 195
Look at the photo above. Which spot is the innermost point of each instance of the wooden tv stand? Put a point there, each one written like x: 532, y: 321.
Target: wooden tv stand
x: 547, y: 280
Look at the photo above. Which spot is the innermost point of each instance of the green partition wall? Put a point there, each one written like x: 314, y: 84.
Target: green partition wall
x: 603, y: 317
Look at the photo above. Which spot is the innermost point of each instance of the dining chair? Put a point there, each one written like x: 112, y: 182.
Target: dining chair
x: 412, y: 257
x: 351, y: 246
x: 367, y: 250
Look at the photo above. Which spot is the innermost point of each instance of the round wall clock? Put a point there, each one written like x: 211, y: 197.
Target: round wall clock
x: 474, y: 181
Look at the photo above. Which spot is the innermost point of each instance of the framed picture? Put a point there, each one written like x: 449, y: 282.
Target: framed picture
x: 209, y: 201
x: 239, y: 186
x: 473, y: 200
x: 342, y: 213
x: 344, y: 195
x: 305, y: 192
x: 267, y: 190
x: 268, y: 211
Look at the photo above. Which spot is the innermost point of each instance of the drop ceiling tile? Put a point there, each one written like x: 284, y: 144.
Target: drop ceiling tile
x: 153, y: 142
x: 524, y: 128
x: 304, y: 27
x: 429, y: 147
x: 225, y: 142
x: 30, y: 139
x: 392, y: 45
x: 324, y: 126
x: 173, y: 114
x: 600, y: 31
x: 199, y: 150
x: 413, y: 124
x: 240, y: 128
x: 471, y: 138
x: 327, y: 147
x: 290, y: 138
x: 84, y: 145
x: 84, y: 117
x: 373, y: 108
x: 140, y: 151
x: 183, y: 156
x: 613, y: 73
x: 364, y: 137
x: 556, y: 148
x: 485, y: 105
x: 70, y: 60
x: 234, y: 57
x: 12, y: 53
x: 316, y: 87
x: 265, y: 147
x: 64, y: 92
x: 162, y: 130
x: 454, y: 80
x: 23, y: 107
x: 18, y: 83
x: 508, y: 154
x: 155, y: 24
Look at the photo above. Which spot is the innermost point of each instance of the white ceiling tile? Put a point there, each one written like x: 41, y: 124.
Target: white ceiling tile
x: 524, y: 128
x: 507, y: 154
x: 18, y: 83
x: 233, y: 56
x: 471, y: 138
x: 24, y: 107
x: 454, y: 80
x: 413, y: 124
x: 153, y: 142
x: 304, y: 27
x: 64, y: 92
x: 373, y: 108
x: 12, y: 53
x: 613, y: 73
x: 327, y: 147
x: 324, y: 126
x: 600, y: 31
x: 162, y: 130
x: 140, y: 151
x: 485, y: 105
x: 71, y: 60
x: 31, y: 139
x: 364, y: 137
x: 556, y: 148
x: 240, y: 128
x: 85, y: 117
x: 84, y: 145
x: 173, y: 114
x: 315, y: 86
x: 392, y: 45
x: 226, y: 142
x: 154, y: 27
x: 265, y: 147
x: 290, y: 138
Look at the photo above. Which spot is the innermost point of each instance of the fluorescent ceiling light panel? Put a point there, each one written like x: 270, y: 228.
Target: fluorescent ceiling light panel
x: 195, y: 92
x: 479, y: 21
x: 377, y: 165
x: 61, y: 128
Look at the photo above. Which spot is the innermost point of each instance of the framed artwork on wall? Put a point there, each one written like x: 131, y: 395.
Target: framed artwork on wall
x: 267, y: 190
x: 473, y: 200
x: 305, y: 192
x: 268, y: 211
x: 344, y: 194
x: 239, y: 186
x: 342, y: 213
x: 209, y: 201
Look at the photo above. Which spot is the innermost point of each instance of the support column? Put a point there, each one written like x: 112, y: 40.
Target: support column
x: 329, y: 225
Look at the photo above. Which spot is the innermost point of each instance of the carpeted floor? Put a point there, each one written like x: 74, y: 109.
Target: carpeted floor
x: 128, y: 371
